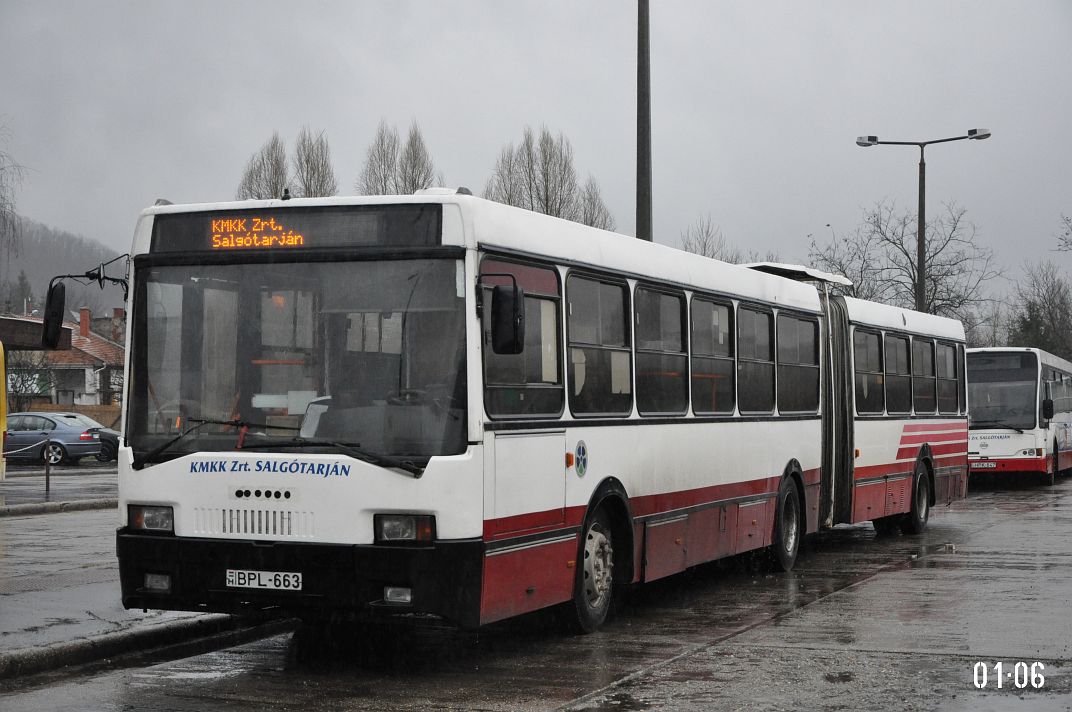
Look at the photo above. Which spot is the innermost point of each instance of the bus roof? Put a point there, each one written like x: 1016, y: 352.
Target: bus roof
x: 898, y: 319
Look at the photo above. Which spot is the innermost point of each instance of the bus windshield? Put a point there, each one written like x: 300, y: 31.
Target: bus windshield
x: 1002, y: 390
x: 366, y: 354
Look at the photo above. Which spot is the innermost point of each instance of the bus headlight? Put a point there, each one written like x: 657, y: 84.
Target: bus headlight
x: 404, y: 527
x: 151, y: 518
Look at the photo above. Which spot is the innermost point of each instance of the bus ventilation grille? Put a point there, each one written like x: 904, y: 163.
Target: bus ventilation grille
x: 264, y: 522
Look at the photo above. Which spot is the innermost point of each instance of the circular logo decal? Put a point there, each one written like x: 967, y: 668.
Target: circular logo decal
x: 581, y: 455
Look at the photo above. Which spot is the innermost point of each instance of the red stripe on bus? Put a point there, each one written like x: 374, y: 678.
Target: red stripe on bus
x: 883, y: 470
x: 952, y: 436
x: 642, y: 506
x: 928, y: 427
x: 941, y: 449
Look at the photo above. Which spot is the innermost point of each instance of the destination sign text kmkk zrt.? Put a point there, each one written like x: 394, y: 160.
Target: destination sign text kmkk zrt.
x: 253, y: 233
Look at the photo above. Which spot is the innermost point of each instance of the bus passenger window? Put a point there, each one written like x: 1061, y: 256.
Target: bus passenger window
x: 868, y: 366
x: 755, y: 367
x: 798, y: 365
x: 712, y: 357
x: 662, y: 365
x: 528, y: 383
x: 923, y: 380
x: 599, y: 354
x: 898, y: 375
x: 947, y: 378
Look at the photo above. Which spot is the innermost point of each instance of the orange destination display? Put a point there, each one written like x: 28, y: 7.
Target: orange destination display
x: 253, y: 233
x: 298, y: 229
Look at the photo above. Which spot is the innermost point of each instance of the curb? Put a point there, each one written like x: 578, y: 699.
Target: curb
x: 111, y: 645
x: 19, y: 510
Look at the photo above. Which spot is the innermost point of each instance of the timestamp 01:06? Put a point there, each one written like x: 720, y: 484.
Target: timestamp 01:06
x: 1018, y: 675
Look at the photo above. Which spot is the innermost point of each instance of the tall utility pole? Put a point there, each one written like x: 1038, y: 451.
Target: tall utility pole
x: 921, y: 227
x: 643, y: 143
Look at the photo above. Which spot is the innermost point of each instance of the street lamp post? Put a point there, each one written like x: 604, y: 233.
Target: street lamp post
x: 921, y: 249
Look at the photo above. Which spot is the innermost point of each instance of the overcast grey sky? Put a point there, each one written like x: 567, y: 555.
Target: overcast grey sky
x: 755, y: 108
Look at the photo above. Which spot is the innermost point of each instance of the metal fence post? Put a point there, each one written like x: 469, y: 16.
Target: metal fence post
x: 48, y: 468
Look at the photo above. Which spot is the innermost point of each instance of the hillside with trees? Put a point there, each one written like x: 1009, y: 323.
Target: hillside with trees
x: 41, y: 252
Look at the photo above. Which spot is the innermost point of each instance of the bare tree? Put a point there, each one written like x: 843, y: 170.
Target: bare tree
x: 506, y: 184
x: 594, y: 211
x: 415, y: 168
x: 30, y: 377
x: 1064, y: 235
x: 987, y: 325
x: 266, y: 173
x: 11, y: 174
x: 379, y: 176
x: 539, y: 175
x: 1042, y: 317
x: 880, y: 258
x: 704, y: 237
x: 860, y: 257
x: 313, y: 175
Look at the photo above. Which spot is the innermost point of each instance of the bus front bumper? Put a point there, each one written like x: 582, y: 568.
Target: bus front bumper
x: 338, y: 581
x: 1009, y: 464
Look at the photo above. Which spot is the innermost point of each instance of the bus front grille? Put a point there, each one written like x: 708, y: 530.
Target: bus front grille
x: 254, y: 521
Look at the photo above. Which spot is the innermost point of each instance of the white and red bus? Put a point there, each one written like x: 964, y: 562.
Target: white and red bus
x: 440, y: 405
x: 1021, y: 412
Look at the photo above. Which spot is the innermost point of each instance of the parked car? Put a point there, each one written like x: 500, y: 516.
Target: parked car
x: 68, y: 438
x: 109, y: 439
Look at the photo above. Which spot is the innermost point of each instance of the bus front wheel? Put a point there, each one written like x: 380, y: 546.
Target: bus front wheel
x: 916, y: 520
x: 593, y: 586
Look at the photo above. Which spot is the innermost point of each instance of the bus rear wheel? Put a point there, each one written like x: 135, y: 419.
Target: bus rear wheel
x: 916, y: 520
x: 593, y: 586
x: 786, y: 526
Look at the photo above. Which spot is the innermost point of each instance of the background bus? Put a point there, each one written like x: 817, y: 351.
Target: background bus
x: 441, y: 405
x: 1021, y: 412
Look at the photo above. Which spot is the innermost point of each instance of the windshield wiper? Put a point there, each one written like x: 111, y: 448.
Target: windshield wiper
x: 351, y: 449
x: 977, y: 424
x: 198, y: 423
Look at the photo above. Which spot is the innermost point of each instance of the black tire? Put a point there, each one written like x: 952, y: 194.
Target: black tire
x: 107, y: 452
x: 786, y: 544
x: 915, y: 522
x: 1056, y: 464
x: 53, y: 453
x: 593, y: 585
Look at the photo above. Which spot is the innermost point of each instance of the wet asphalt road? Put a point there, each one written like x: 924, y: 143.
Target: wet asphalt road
x: 67, y: 483
x: 862, y: 623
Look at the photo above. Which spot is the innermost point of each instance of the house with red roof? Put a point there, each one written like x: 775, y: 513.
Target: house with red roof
x: 89, y: 373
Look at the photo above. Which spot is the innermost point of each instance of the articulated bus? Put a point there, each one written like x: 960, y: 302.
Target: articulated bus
x: 1021, y: 412
x: 441, y: 406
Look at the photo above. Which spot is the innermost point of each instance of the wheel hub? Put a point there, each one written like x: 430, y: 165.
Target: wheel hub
x: 598, y: 567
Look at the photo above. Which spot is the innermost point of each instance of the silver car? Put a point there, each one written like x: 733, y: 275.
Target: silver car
x: 48, y: 437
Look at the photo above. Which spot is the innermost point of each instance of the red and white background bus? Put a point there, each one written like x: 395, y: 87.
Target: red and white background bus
x: 1021, y: 417
x: 441, y: 405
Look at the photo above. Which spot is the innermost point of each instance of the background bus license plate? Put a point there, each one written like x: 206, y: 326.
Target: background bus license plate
x: 277, y: 580
x: 983, y: 465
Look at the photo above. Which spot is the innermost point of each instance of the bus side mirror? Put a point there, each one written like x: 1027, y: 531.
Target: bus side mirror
x: 1047, y: 409
x: 55, y: 305
x: 507, y: 319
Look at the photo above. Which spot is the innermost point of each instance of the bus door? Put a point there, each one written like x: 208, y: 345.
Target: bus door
x: 837, y: 474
